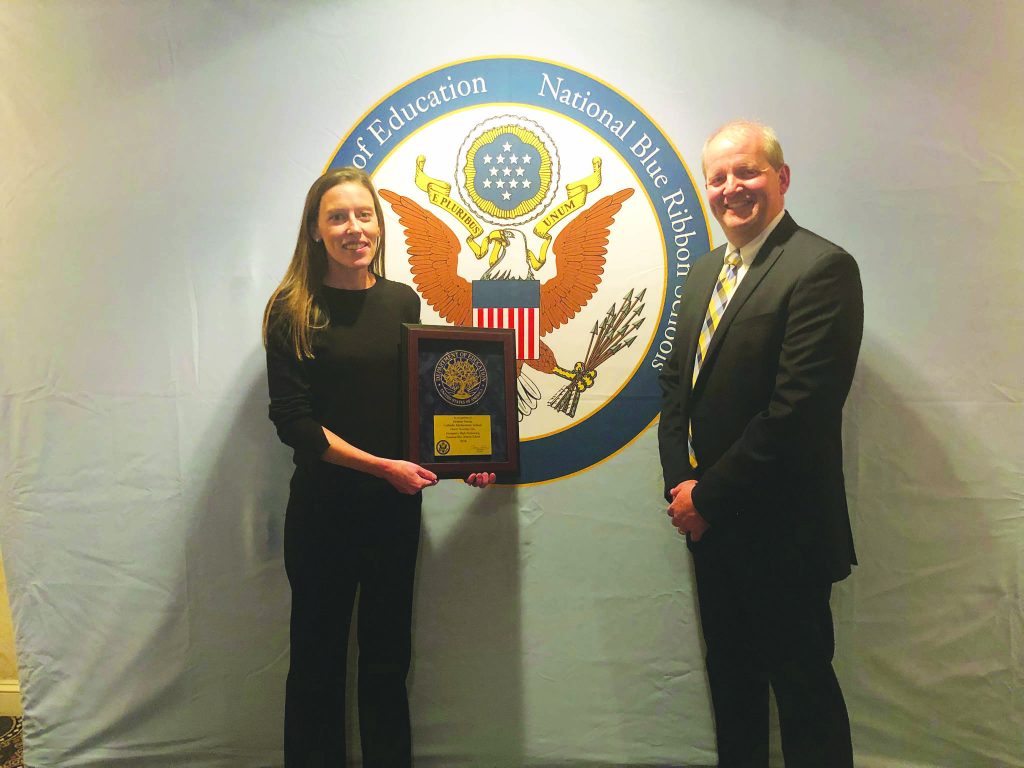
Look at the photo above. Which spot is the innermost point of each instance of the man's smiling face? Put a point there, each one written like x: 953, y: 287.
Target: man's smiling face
x: 744, y: 191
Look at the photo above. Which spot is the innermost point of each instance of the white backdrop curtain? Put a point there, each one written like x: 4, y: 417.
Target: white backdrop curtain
x: 154, y: 159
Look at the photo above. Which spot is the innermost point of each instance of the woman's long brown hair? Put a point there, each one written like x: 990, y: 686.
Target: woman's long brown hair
x: 293, y: 304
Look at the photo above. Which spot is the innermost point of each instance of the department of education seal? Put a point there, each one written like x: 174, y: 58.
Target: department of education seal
x: 460, y: 378
x: 524, y: 194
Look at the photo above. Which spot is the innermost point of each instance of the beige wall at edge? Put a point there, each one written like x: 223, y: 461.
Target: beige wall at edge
x: 8, y: 665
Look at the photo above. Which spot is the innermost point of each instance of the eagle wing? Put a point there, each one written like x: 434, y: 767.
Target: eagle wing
x: 579, y: 255
x: 434, y: 258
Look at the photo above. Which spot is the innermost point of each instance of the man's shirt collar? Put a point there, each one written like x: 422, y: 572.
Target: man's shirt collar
x: 749, y: 251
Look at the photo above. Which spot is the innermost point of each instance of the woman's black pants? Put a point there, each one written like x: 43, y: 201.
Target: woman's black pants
x: 339, y: 537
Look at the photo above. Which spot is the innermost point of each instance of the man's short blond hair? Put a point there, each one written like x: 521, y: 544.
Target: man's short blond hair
x: 769, y: 141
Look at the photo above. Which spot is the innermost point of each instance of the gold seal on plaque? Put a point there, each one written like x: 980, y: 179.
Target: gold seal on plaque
x: 460, y: 378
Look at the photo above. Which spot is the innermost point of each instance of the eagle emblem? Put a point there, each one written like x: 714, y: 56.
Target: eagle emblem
x: 504, y: 151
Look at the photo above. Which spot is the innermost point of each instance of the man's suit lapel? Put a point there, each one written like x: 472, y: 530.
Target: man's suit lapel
x: 702, y: 286
x: 766, y: 259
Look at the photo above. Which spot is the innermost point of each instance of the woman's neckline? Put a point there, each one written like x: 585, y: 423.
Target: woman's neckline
x: 375, y: 280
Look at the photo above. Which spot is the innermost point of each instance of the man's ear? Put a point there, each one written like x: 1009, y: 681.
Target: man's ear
x: 783, y: 178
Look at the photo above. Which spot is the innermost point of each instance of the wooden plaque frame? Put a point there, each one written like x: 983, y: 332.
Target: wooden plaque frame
x: 424, y: 348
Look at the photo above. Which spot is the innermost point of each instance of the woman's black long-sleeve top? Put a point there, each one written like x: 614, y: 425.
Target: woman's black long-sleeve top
x: 352, y: 384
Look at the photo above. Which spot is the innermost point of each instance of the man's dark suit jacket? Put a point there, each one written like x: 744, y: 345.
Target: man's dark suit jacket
x: 767, y: 405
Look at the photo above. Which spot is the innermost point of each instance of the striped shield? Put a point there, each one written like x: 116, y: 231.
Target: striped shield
x: 510, y: 304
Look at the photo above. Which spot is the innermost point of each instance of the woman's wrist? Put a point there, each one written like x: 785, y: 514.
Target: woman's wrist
x: 382, y: 468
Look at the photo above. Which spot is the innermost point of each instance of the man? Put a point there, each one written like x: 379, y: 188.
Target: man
x: 750, y: 437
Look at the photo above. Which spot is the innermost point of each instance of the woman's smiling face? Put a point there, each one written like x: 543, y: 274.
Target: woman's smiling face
x: 348, y: 226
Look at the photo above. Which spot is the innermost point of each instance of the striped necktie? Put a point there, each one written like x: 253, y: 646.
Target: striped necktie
x: 716, y: 308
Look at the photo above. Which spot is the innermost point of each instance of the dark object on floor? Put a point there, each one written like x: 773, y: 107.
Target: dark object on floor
x: 10, y: 742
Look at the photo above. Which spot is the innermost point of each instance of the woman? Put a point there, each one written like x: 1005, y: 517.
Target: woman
x: 331, y: 329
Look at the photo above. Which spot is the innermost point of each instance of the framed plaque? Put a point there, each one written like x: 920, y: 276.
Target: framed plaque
x: 460, y: 399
